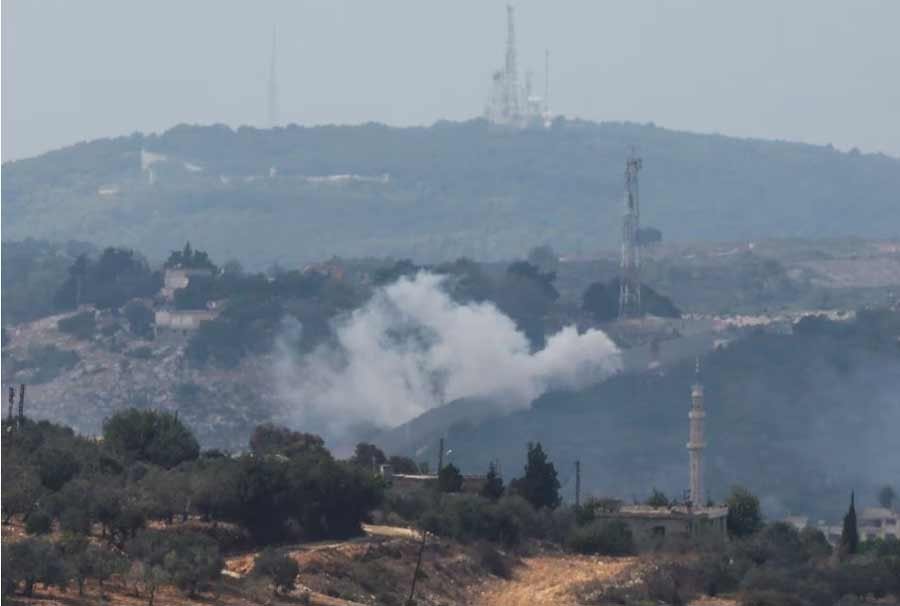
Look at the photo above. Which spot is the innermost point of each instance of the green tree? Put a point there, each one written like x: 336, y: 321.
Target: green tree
x: 189, y: 258
x: 493, y: 484
x: 368, y: 456
x: 22, y: 488
x: 281, y: 569
x: 540, y: 484
x: 403, y: 465
x: 85, y: 560
x: 887, y: 496
x: 744, y: 514
x: 140, y: 319
x: 850, y: 531
x: 81, y: 326
x: 35, y: 561
x: 657, y: 499
x: 269, y: 439
x: 450, y: 479
x: 38, y: 523
x: 150, y: 436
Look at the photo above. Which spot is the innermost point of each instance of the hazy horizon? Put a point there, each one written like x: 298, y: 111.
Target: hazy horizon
x: 813, y: 72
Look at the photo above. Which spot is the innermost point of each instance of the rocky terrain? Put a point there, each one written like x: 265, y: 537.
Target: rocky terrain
x: 117, y: 370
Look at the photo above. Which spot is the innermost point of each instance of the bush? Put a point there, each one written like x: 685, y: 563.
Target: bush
x: 47, y: 362
x: 492, y: 560
x: 140, y: 319
x: 81, y: 326
x: 38, y: 523
x: 281, y: 569
x: 603, y: 538
x: 140, y: 353
x: 467, y: 517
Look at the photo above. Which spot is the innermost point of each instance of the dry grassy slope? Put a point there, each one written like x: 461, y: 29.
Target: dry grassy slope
x: 376, y: 569
x: 220, y: 405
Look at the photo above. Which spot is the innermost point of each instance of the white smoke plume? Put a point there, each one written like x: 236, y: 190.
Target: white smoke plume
x: 412, y: 348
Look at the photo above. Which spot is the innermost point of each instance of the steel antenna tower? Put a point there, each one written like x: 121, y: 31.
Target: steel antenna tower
x: 630, y: 284
x: 272, y: 109
x: 547, y: 81
x: 510, y: 79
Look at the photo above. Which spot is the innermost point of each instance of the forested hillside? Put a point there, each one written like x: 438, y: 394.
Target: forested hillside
x: 296, y: 194
x: 801, y: 419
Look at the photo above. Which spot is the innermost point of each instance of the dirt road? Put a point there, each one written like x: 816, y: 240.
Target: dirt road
x: 550, y: 580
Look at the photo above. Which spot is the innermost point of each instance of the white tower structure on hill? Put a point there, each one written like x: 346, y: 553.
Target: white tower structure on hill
x: 512, y: 104
x: 697, y: 440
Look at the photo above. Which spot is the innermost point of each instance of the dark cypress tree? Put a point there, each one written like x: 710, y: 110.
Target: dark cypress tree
x: 540, y: 485
x: 493, y: 484
x: 850, y: 532
x: 450, y: 479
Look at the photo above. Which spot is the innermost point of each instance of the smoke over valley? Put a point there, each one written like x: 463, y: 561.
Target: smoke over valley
x: 412, y: 348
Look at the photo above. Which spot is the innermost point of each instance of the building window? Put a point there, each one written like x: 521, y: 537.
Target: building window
x: 659, y: 531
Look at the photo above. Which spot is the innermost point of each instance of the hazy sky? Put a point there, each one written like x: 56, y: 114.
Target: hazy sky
x: 819, y: 71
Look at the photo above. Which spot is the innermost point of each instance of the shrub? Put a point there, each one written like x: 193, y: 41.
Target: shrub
x: 81, y: 326
x: 140, y: 353
x: 38, y: 523
x: 492, y: 560
x: 47, y: 362
x: 603, y: 538
x: 281, y: 569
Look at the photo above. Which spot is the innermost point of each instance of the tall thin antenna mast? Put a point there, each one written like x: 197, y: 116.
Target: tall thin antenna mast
x: 547, y: 81
x: 511, y: 84
x: 272, y: 110
x: 630, y: 285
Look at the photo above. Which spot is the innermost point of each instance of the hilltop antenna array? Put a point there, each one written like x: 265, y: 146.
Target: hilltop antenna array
x: 512, y: 104
x: 510, y: 72
x: 630, y: 284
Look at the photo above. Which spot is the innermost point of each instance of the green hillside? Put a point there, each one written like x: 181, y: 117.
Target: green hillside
x: 295, y: 194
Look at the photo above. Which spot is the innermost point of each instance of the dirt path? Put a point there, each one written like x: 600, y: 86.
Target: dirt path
x: 549, y: 580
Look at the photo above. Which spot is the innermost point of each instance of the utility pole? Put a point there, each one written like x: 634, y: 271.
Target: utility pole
x: 440, y: 456
x: 412, y: 589
x: 577, y: 483
x: 21, y: 406
x: 547, y: 82
x: 12, y: 401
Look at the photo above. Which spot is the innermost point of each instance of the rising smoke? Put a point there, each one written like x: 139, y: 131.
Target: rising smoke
x: 412, y: 348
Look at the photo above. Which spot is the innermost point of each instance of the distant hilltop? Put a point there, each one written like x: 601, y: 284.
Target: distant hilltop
x: 293, y: 194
